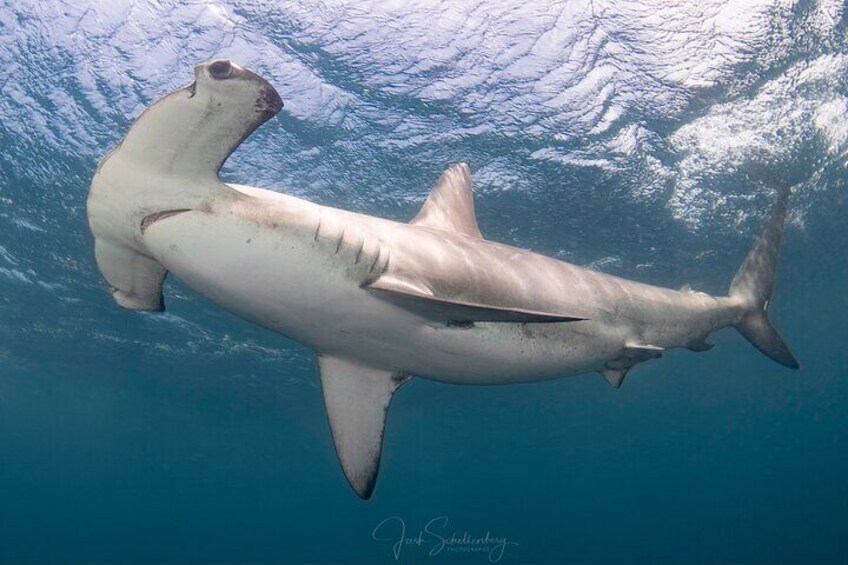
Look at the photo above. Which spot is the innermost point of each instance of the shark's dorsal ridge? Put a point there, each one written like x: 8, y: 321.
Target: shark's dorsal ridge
x: 450, y: 206
x: 357, y: 400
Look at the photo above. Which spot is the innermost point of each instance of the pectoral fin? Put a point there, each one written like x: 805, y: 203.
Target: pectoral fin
x: 419, y: 299
x: 357, y: 399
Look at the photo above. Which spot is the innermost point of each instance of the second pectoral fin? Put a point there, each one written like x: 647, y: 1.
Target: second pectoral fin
x: 419, y: 299
x: 357, y: 400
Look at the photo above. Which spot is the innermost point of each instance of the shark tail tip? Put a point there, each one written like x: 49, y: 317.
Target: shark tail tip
x: 753, y: 285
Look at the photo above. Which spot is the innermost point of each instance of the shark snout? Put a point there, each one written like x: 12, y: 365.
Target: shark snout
x: 271, y: 101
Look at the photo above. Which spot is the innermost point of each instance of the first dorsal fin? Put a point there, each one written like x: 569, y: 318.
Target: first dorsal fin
x: 450, y: 206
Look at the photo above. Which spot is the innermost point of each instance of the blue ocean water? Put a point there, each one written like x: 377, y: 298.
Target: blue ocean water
x: 612, y: 134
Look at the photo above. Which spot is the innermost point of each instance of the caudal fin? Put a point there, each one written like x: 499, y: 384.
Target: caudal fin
x: 752, y: 287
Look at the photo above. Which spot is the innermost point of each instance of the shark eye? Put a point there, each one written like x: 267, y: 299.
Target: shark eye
x: 220, y: 69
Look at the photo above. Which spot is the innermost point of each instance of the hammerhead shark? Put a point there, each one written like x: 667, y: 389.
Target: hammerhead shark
x: 380, y: 301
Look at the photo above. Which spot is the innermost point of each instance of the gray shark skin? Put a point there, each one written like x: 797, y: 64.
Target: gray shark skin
x: 380, y: 301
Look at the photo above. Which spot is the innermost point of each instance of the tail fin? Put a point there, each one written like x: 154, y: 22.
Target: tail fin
x: 753, y: 285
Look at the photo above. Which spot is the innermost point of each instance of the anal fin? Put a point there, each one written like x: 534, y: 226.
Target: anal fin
x: 357, y: 400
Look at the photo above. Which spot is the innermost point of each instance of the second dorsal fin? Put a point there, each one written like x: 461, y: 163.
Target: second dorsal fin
x: 450, y: 206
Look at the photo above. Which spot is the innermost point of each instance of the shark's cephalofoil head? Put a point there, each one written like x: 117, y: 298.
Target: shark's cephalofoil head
x: 192, y: 131
x: 235, y: 88
x: 166, y: 165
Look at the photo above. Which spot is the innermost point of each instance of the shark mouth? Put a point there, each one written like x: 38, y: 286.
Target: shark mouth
x: 151, y: 219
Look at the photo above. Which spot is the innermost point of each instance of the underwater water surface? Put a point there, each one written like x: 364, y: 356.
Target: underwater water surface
x: 613, y: 134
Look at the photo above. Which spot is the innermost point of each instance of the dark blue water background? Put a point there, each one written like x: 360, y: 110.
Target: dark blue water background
x: 612, y: 134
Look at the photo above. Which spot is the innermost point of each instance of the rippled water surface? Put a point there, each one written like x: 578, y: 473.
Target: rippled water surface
x: 614, y: 134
